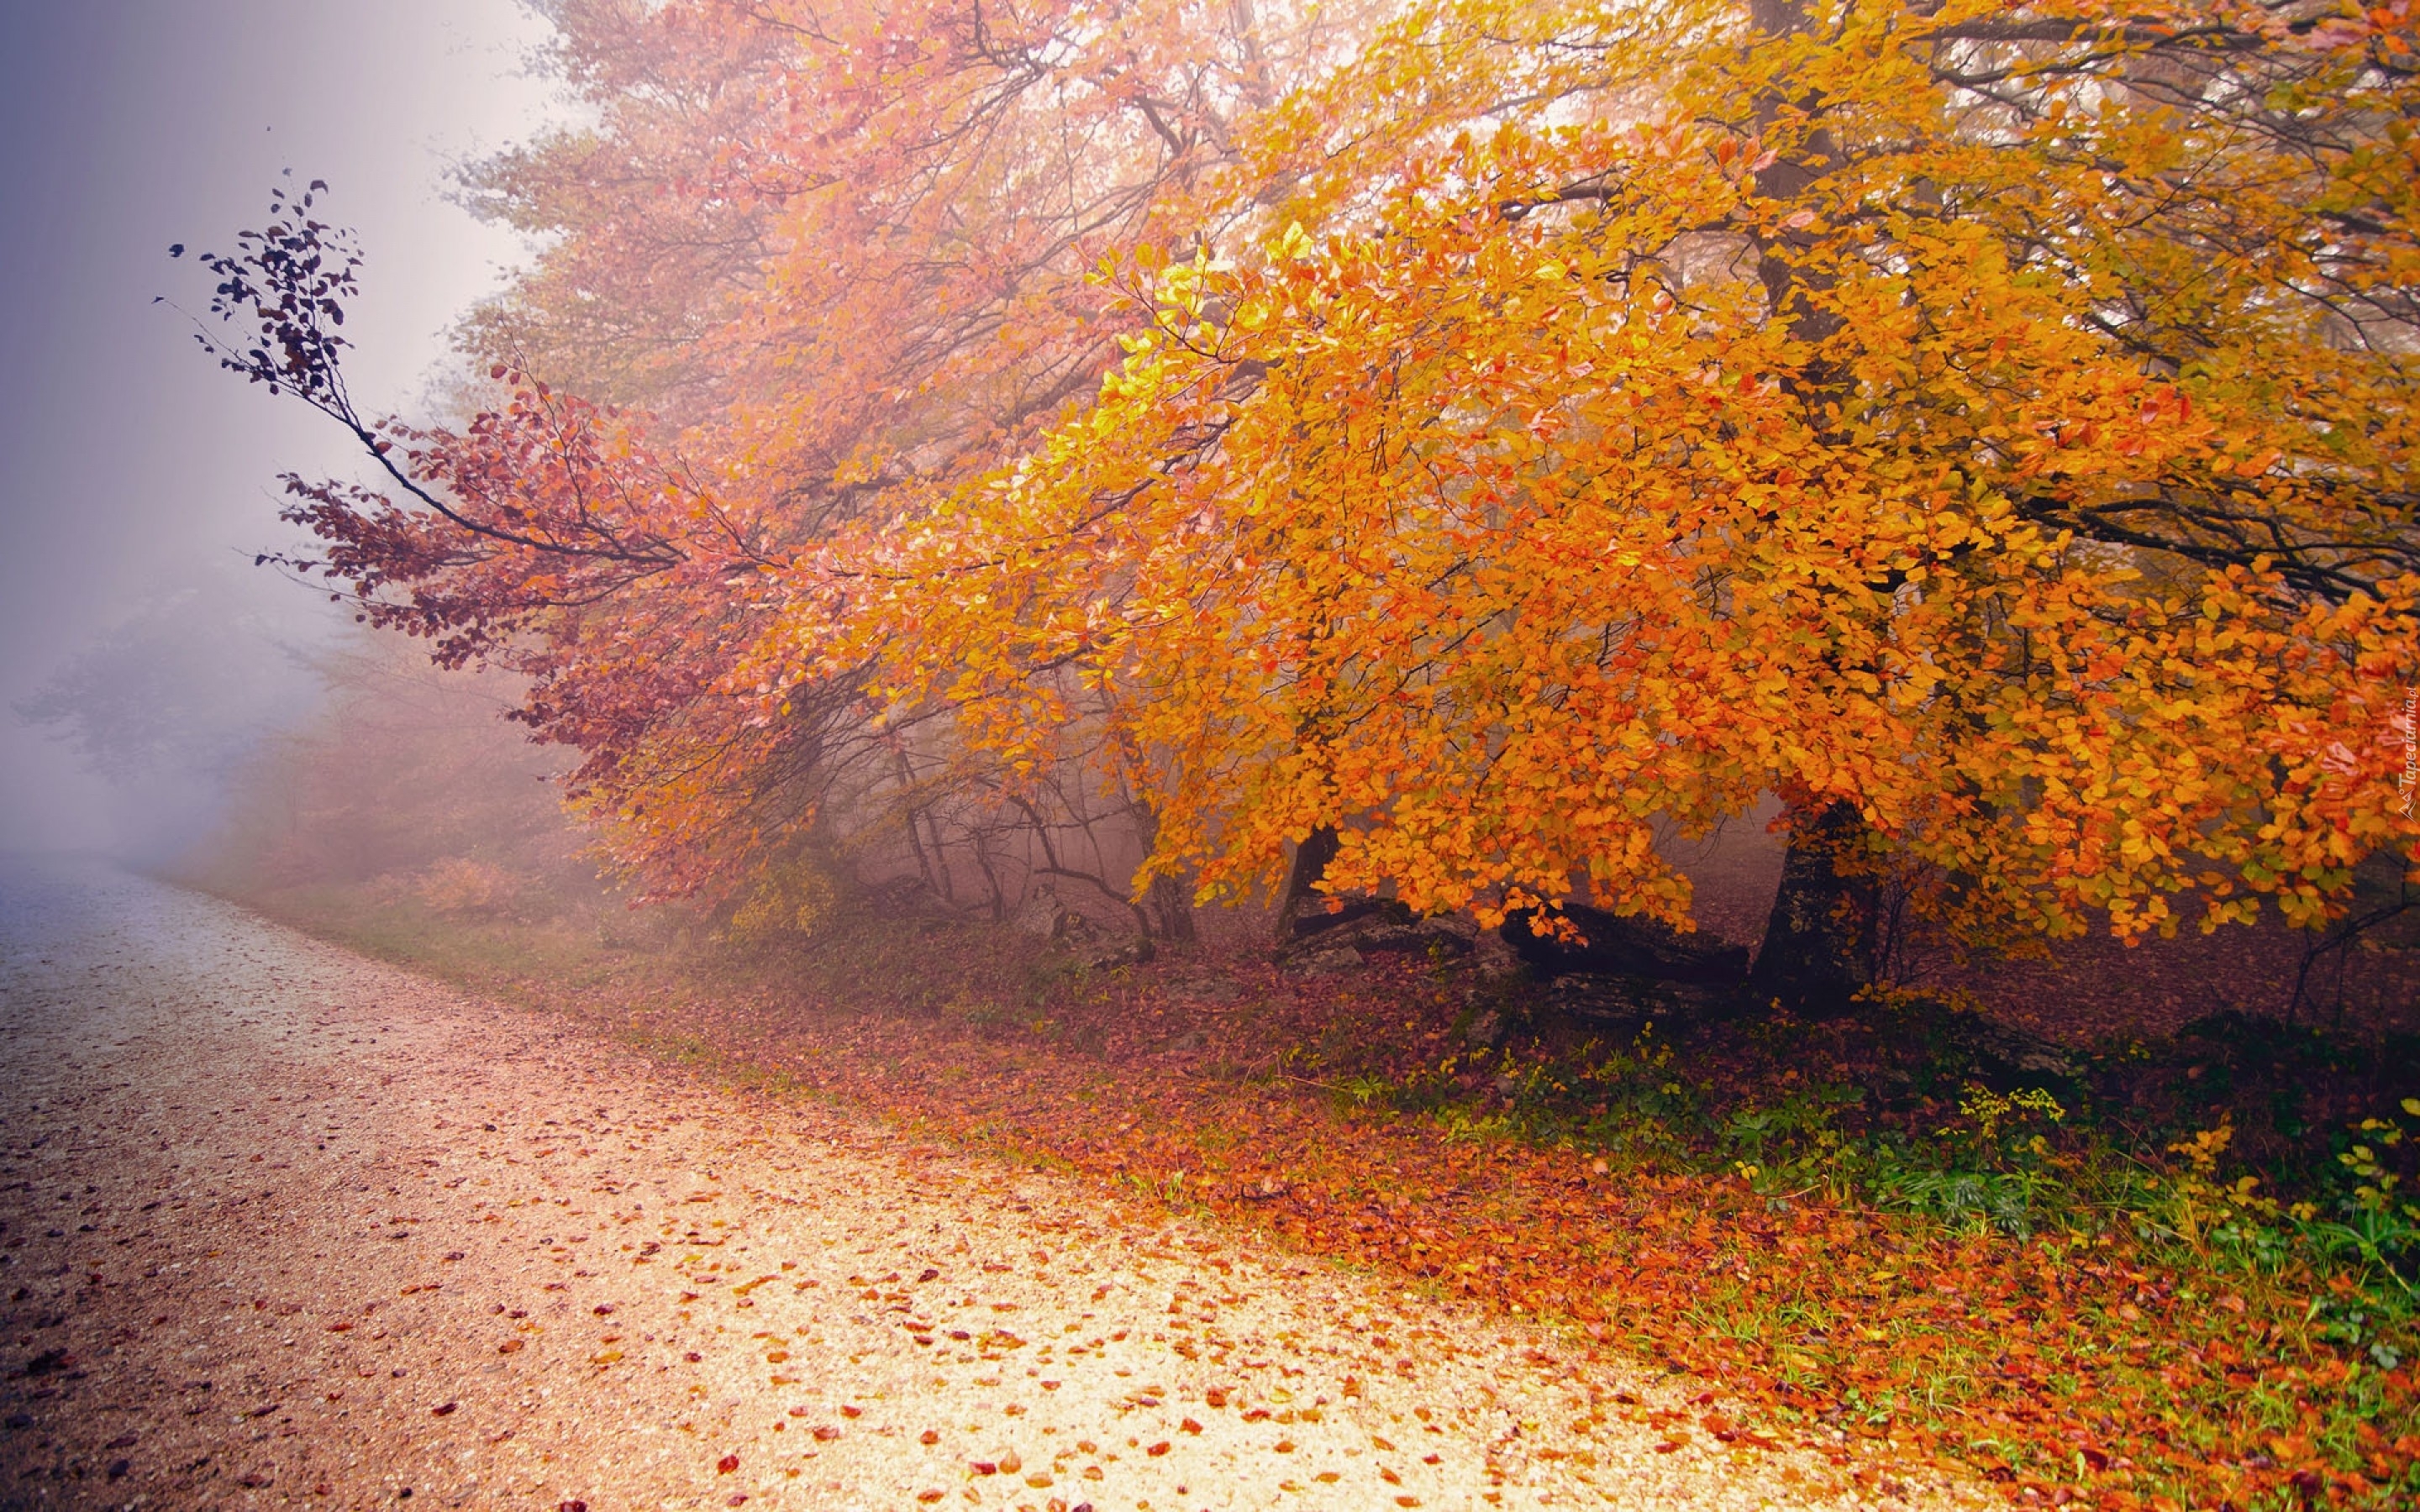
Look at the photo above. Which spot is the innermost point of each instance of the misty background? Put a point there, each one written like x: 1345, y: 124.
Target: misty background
x: 137, y: 481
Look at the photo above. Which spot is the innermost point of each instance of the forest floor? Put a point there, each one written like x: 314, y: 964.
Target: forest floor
x: 2168, y: 1272
x: 284, y: 1226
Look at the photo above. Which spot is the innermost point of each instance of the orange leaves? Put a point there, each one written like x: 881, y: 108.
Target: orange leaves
x: 1260, y: 422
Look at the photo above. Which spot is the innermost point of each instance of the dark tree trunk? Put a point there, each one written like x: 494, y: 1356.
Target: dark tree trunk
x: 1172, y: 909
x: 1819, y: 941
x: 1310, y: 861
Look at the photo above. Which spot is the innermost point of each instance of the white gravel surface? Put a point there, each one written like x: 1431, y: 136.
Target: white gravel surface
x: 284, y: 1226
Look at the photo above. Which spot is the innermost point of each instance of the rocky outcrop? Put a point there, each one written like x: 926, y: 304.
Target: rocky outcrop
x: 1085, y: 944
x: 1614, y: 944
x: 1364, y: 929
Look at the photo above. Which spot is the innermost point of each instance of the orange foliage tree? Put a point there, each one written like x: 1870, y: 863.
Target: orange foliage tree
x: 1988, y: 428
x: 805, y: 264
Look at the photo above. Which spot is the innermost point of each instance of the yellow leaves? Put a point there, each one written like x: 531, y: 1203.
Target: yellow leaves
x: 1491, y: 536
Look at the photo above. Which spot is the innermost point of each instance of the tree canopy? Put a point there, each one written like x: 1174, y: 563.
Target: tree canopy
x: 1491, y: 435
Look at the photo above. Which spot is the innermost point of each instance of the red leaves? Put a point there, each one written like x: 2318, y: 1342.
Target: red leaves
x: 2014, y: 1319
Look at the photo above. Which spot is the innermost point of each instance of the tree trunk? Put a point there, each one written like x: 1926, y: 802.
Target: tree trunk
x: 1817, y: 946
x: 1172, y: 909
x: 1310, y: 861
x: 1818, y: 942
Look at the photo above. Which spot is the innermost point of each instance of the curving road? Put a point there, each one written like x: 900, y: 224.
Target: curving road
x: 285, y: 1226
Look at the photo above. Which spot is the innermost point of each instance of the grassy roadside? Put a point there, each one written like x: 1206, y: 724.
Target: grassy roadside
x: 1847, y: 1225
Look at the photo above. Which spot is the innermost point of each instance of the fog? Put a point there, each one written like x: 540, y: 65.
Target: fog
x: 137, y: 481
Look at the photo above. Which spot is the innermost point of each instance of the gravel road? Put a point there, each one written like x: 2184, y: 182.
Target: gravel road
x: 287, y: 1226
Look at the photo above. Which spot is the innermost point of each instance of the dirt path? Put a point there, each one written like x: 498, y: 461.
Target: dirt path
x: 283, y: 1225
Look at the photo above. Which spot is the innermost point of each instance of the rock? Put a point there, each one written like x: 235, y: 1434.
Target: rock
x: 1373, y: 937
x: 1486, y: 1031
x: 1490, y: 954
x: 1365, y: 928
x: 1132, y: 951
x: 1324, y: 963
x: 1356, y: 911
x: 1377, y: 939
x: 2009, y: 1053
x: 1437, y: 936
x: 1088, y: 946
x: 1038, y: 915
x: 1460, y: 926
x: 1213, y: 989
x: 1628, y: 1002
x: 1070, y: 929
x: 1625, y: 947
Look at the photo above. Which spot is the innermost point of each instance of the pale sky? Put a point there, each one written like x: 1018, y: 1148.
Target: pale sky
x: 129, y: 466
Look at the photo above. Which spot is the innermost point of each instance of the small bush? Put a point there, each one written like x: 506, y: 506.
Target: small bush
x: 461, y: 887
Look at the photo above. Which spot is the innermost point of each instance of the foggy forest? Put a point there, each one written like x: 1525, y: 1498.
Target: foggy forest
x: 1182, y: 754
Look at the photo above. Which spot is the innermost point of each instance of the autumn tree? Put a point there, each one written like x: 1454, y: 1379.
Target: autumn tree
x: 807, y: 266
x: 1986, y: 427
